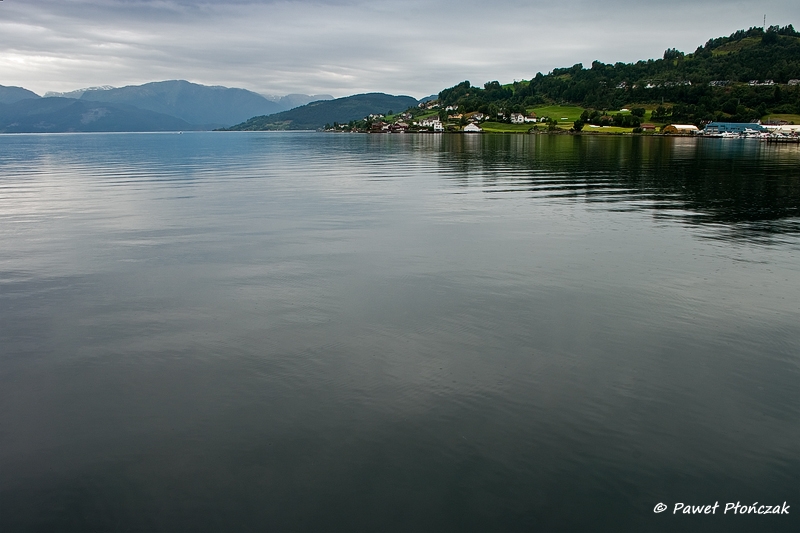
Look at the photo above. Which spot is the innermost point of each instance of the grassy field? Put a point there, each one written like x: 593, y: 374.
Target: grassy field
x: 559, y: 112
x: 791, y: 119
x: 501, y: 127
x: 428, y: 114
x: 566, y: 115
x: 570, y: 114
x: 588, y: 128
x: 735, y: 46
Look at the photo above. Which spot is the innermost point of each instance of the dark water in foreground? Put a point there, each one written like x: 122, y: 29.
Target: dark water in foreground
x: 311, y: 332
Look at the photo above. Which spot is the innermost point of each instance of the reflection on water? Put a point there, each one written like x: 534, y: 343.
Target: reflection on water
x: 751, y: 188
x: 297, y: 331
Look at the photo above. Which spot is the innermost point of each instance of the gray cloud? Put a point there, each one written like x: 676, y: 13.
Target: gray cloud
x: 344, y: 46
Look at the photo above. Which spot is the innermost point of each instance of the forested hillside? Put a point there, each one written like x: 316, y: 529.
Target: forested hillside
x: 740, y: 77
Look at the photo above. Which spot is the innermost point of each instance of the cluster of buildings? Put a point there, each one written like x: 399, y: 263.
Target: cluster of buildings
x: 713, y: 83
x: 431, y: 122
x: 654, y: 85
x: 426, y: 124
x: 752, y: 83
x: 405, y: 121
x: 781, y: 131
x: 519, y: 118
x: 769, y: 83
x: 737, y: 129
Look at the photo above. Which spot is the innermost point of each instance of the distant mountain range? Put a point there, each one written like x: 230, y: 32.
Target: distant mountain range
x: 157, y: 106
x: 317, y: 114
x: 55, y: 115
x: 9, y: 95
x: 76, y: 93
x: 206, y: 107
x: 181, y: 105
x: 290, y: 101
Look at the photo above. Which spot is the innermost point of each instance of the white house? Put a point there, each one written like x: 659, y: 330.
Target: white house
x: 517, y: 118
x: 430, y: 122
x: 472, y: 128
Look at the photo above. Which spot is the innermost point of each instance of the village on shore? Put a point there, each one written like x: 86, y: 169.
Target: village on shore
x: 430, y: 117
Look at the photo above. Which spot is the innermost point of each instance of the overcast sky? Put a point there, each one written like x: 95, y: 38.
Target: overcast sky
x: 344, y: 47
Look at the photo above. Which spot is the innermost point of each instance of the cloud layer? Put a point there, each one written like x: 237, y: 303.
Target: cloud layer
x: 344, y: 47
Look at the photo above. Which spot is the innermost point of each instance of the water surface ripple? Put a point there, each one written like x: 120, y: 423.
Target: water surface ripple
x: 308, y: 332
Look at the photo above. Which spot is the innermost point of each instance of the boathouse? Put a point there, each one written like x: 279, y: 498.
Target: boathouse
x: 731, y: 127
x: 681, y: 129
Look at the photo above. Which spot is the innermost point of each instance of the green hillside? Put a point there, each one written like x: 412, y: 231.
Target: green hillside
x: 741, y: 77
x: 316, y: 114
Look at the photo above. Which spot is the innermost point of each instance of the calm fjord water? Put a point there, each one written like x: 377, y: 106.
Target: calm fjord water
x: 316, y: 332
